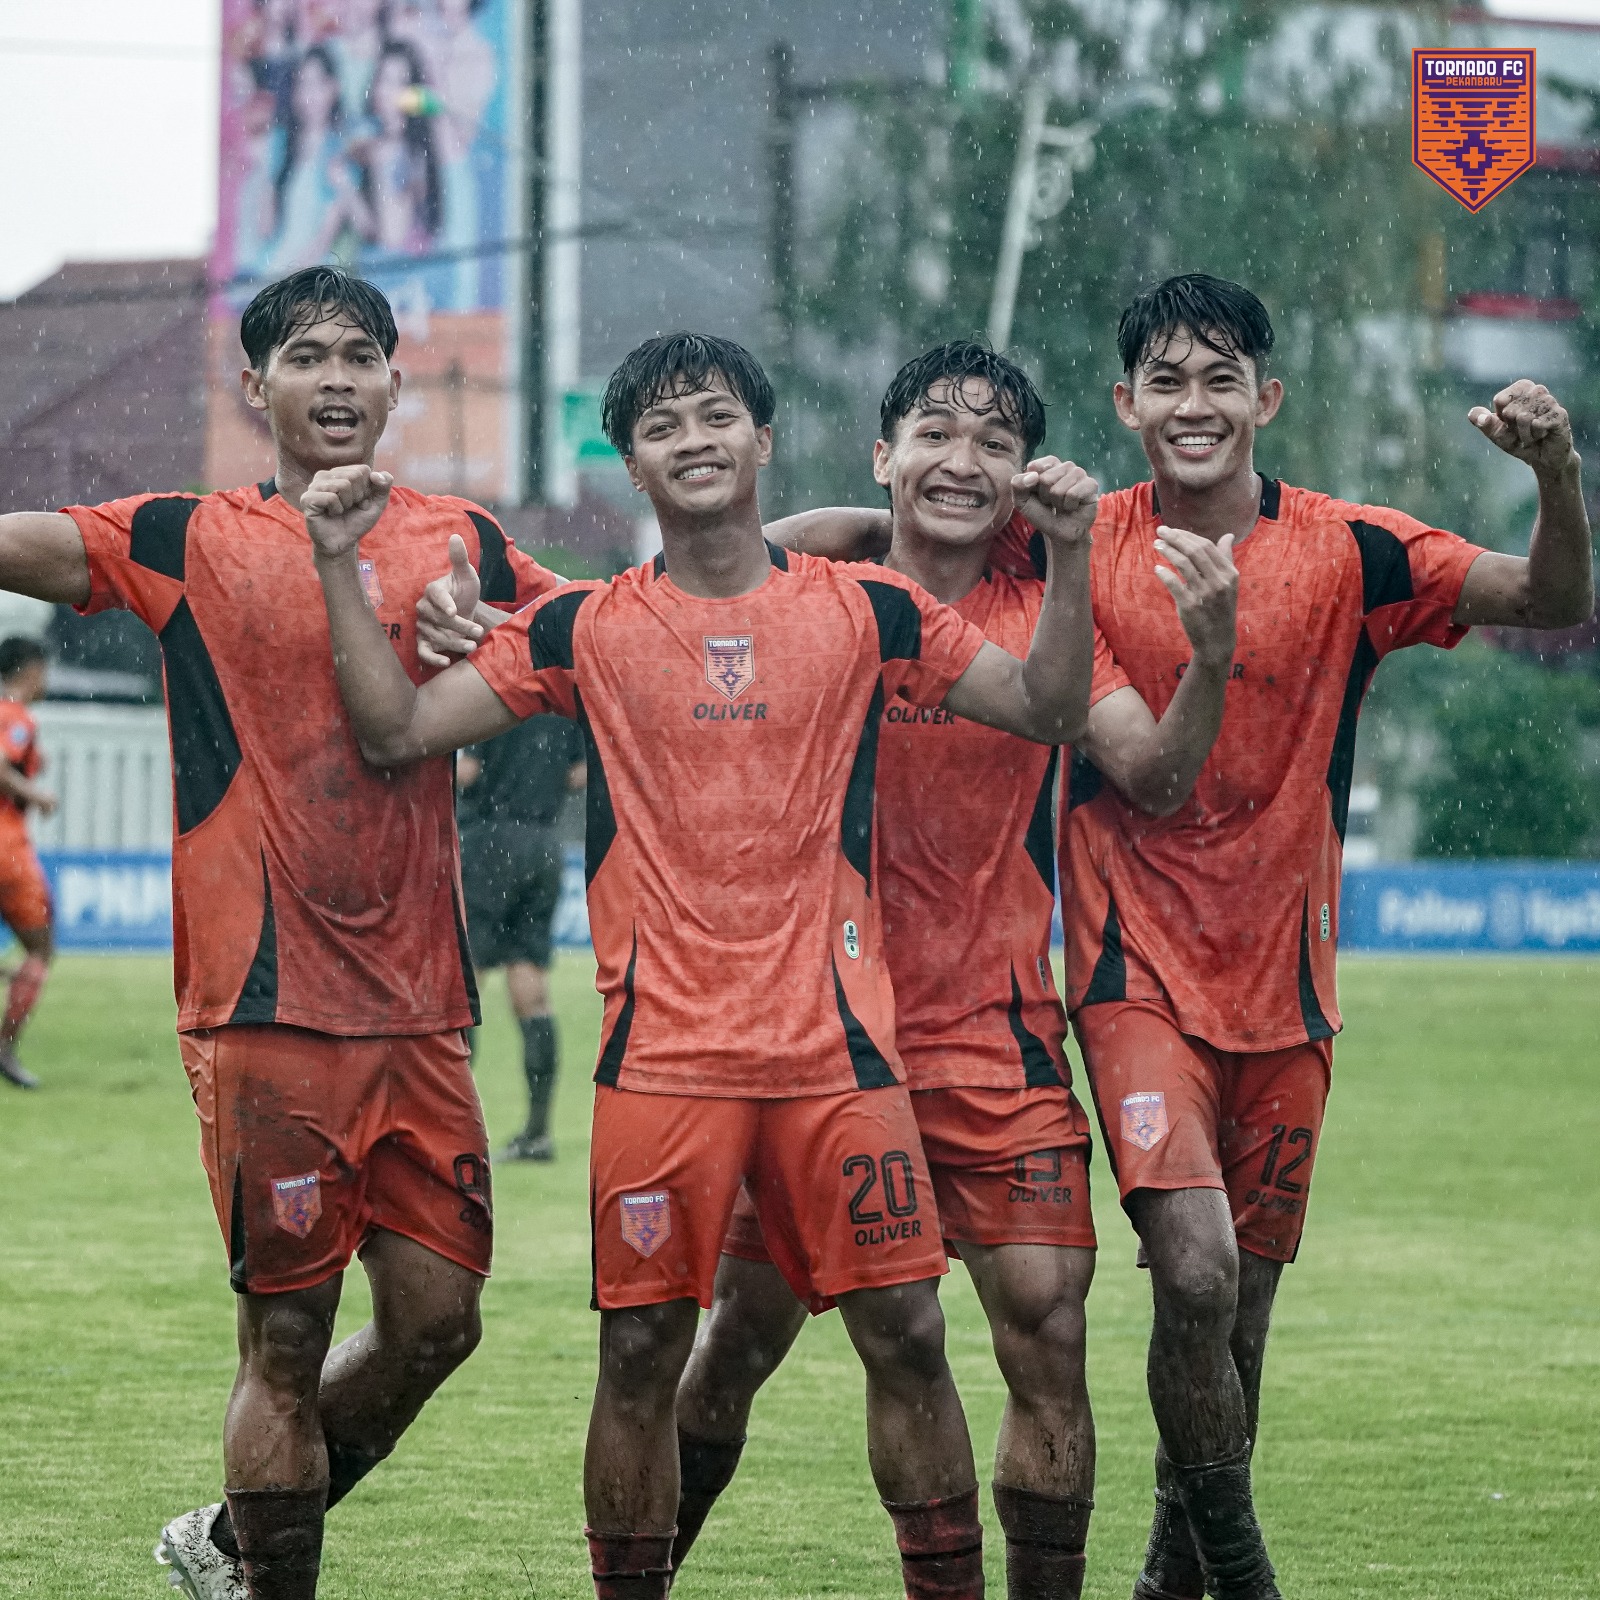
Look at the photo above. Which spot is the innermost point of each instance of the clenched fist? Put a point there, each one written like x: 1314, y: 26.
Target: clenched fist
x: 1527, y: 422
x: 342, y: 505
x: 1058, y: 498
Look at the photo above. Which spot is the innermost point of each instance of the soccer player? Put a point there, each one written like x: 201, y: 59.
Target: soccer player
x: 1200, y: 947
x: 730, y: 696
x: 24, y: 893
x: 967, y: 875
x: 511, y: 791
x: 320, y: 956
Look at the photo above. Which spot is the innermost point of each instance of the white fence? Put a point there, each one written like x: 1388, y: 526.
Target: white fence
x: 110, y: 769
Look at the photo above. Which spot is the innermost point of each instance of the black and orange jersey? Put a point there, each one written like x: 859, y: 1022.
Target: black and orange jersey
x: 308, y: 888
x: 968, y: 855
x: 733, y: 750
x: 1228, y: 910
x: 19, y: 746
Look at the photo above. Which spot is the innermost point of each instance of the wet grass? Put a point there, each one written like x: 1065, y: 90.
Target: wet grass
x: 1432, y: 1404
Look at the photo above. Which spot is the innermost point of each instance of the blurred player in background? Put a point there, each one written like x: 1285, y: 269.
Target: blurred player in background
x: 1201, y: 947
x: 967, y: 875
x: 512, y: 791
x: 320, y: 950
x: 24, y: 893
x: 730, y: 696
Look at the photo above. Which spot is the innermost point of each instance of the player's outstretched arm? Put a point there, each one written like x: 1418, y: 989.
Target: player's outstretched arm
x: 1154, y: 764
x: 42, y: 555
x: 836, y: 533
x: 1553, y: 587
x: 1046, y: 697
x: 394, y: 720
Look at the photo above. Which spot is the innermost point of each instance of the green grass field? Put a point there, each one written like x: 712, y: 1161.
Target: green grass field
x: 1432, y: 1400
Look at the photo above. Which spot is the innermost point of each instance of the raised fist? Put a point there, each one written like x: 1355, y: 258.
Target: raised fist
x: 1527, y: 422
x: 342, y: 505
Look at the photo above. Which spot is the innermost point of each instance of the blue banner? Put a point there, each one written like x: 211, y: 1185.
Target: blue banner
x: 1536, y: 906
x: 112, y: 900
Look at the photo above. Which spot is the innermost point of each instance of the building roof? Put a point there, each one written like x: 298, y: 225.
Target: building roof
x: 60, y: 335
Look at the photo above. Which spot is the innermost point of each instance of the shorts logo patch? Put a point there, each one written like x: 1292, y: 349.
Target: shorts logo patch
x: 731, y: 664
x: 852, y: 940
x: 370, y: 586
x: 297, y: 1203
x: 647, y: 1221
x: 1144, y: 1119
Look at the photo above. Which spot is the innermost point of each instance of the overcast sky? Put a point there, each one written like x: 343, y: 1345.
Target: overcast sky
x: 108, y: 113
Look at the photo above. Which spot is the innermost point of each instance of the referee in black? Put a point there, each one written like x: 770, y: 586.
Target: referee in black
x: 511, y: 791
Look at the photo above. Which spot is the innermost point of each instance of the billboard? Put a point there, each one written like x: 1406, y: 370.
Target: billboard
x: 383, y: 135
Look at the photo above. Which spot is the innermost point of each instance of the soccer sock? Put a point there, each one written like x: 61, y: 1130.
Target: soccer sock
x: 1172, y: 1569
x: 1045, y: 1539
x: 705, y: 1468
x: 27, y: 982
x: 347, y: 1466
x: 279, y: 1532
x: 539, y: 1068
x: 630, y: 1566
x: 1222, y: 1517
x: 941, y: 1547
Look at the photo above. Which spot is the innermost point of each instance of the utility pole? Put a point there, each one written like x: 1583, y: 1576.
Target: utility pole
x: 530, y: 285
x: 563, y: 253
x: 785, y: 308
x: 1039, y: 189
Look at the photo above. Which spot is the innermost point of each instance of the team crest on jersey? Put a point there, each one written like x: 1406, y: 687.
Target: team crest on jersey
x: 1472, y: 119
x: 297, y: 1203
x: 370, y: 586
x: 1144, y: 1119
x: 647, y: 1221
x: 731, y: 664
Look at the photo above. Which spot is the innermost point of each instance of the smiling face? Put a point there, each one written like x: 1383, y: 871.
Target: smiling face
x: 698, y: 456
x: 949, y: 467
x: 1196, y: 411
x: 327, y: 392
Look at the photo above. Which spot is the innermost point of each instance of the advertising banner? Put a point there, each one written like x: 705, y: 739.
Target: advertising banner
x: 382, y: 135
x: 1531, y: 906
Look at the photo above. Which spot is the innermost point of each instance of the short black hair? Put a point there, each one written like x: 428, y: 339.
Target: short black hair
x: 307, y: 297
x: 17, y: 652
x: 676, y: 364
x: 1015, y: 397
x: 1223, y: 316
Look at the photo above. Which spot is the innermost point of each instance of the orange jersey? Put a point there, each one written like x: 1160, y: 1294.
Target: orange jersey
x: 1229, y: 909
x: 967, y: 850
x: 732, y: 754
x: 18, y: 746
x: 308, y: 888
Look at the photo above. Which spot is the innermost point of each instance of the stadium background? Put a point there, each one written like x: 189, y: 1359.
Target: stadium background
x: 831, y: 184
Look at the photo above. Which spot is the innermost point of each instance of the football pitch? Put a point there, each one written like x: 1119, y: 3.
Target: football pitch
x: 1432, y: 1399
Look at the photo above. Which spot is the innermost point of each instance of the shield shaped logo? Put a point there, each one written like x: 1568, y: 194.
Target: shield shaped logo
x: 370, y: 586
x: 1472, y: 119
x: 731, y: 664
x: 1144, y: 1119
x: 297, y: 1203
x: 647, y: 1221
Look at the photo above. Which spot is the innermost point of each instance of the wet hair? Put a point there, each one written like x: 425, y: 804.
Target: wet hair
x: 1015, y: 398
x: 1222, y: 316
x: 307, y: 297
x: 18, y: 652
x: 677, y: 364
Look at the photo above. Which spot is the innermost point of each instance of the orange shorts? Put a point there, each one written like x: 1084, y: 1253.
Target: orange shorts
x: 1178, y: 1113
x: 24, y: 889
x: 311, y: 1141
x: 1009, y: 1166
x: 839, y: 1183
